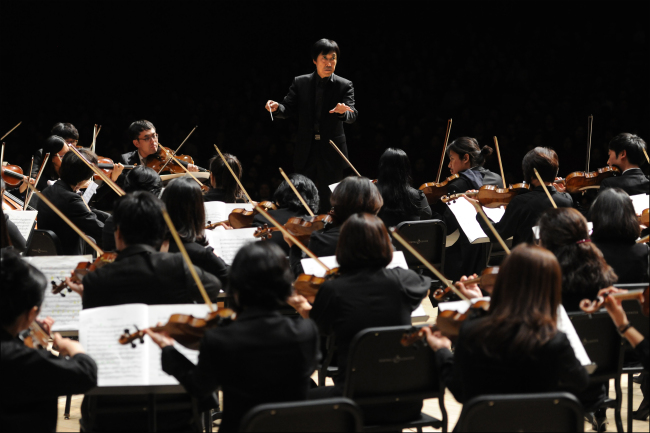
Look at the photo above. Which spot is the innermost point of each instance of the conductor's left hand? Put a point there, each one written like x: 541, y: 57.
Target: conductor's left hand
x: 341, y: 108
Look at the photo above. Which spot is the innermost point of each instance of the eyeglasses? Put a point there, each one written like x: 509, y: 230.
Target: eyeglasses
x: 149, y: 137
x: 72, y: 142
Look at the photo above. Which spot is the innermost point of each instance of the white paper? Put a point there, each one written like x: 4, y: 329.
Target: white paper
x: 465, y: 214
x: 564, y: 324
x: 227, y: 243
x: 495, y: 214
x: 90, y: 191
x: 311, y: 267
x: 333, y: 186
x: 640, y: 202
x: 419, y: 315
x: 24, y: 220
x: 590, y: 227
x: 201, y: 175
x: 461, y: 306
x: 63, y: 309
x: 217, y: 211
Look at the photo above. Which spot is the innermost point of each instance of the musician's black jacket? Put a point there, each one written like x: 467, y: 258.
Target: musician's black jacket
x: 16, y: 238
x: 470, y: 372
x: 140, y: 274
x: 300, y: 102
x: 205, y: 258
x: 629, y: 259
x: 632, y: 181
x: 522, y: 214
x: 322, y: 243
x: 261, y: 357
x: 281, y: 215
x: 422, y: 211
x: 33, y: 380
x: 365, y: 298
x: 130, y: 158
x: 72, y: 206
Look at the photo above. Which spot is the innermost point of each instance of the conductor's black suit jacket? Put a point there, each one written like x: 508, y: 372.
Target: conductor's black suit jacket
x: 300, y: 101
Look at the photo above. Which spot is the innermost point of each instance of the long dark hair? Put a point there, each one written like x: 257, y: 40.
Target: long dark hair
x: 355, y: 194
x: 469, y: 146
x: 223, y: 177
x: 394, y: 181
x: 565, y: 233
x: 184, y: 202
x: 363, y: 242
x: 613, y: 216
x: 524, y: 303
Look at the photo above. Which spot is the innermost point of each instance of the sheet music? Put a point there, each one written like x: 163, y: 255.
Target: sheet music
x: 465, y: 214
x: 227, y: 243
x: 64, y: 310
x: 640, y: 202
x: 216, y: 211
x: 590, y: 227
x: 311, y: 267
x: 333, y: 186
x: 117, y: 364
x: 90, y: 191
x: 24, y: 220
x: 564, y: 324
x: 495, y: 214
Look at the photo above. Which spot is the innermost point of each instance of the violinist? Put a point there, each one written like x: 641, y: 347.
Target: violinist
x: 11, y: 236
x: 223, y: 186
x: 626, y: 153
x: 262, y: 356
x: 401, y: 201
x: 365, y: 294
x: 354, y: 194
x: 70, y: 135
x: 615, y: 230
x: 289, y: 205
x: 63, y: 194
x: 35, y: 378
x: 523, y: 211
x: 516, y: 347
x: 184, y: 201
x: 145, y: 138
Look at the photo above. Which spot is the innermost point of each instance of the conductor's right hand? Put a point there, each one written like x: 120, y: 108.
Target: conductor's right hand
x: 271, y: 106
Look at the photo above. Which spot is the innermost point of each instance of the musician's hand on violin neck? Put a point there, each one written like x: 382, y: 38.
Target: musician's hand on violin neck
x: 46, y: 323
x: 613, y: 305
x: 117, y: 170
x: 75, y: 287
x: 271, y: 106
x: 471, y: 291
x: 436, y: 340
x: 67, y: 347
x: 162, y: 339
x: 559, y: 186
x: 341, y: 108
x: 192, y: 167
x: 300, y: 303
x: 470, y: 198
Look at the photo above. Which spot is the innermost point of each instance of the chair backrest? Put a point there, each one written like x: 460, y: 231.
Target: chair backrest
x: 548, y: 412
x: 381, y: 370
x: 601, y: 341
x: 44, y: 243
x: 332, y: 414
x: 428, y: 238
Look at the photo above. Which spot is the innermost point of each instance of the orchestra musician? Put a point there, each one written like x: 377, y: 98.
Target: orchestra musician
x: 626, y: 153
x: 70, y: 135
x: 262, y: 356
x: 223, y: 186
x: 401, y: 201
x: 365, y: 294
x: 322, y: 102
x: 33, y: 379
x: 11, y: 236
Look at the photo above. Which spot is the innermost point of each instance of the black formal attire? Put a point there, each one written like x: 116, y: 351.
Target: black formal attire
x: 140, y: 274
x: 33, y: 380
x: 310, y: 98
x: 632, y: 181
x: 490, y: 178
x: 322, y: 243
x: 16, y: 238
x: 281, y: 215
x: 108, y: 239
x: 470, y: 372
x: 419, y: 209
x: 522, y: 213
x: 72, y: 206
x: 205, y: 258
x: 629, y: 259
x: 262, y: 357
x: 132, y: 158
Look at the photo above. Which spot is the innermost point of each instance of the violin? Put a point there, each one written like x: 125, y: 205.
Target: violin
x: 184, y: 328
x: 106, y: 165
x: 38, y: 337
x: 309, y: 285
x: 12, y: 174
x: 82, y: 269
x: 487, y: 278
x: 241, y: 218
x: 644, y: 218
x: 434, y: 190
x: 163, y: 157
x: 491, y: 196
x: 640, y: 295
x: 9, y: 202
x: 448, y: 322
x: 580, y: 181
x: 297, y: 226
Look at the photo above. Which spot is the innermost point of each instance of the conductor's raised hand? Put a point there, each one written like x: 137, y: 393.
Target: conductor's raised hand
x: 271, y: 106
x: 341, y: 108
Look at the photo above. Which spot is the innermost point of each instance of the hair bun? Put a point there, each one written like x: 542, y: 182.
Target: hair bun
x: 486, y: 151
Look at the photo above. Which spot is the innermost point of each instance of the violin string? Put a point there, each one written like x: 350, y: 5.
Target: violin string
x: 296, y: 192
x: 179, y: 148
x: 29, y: 176
x: 38, y: 178
x: 590, y: 123
x: 444, y: 150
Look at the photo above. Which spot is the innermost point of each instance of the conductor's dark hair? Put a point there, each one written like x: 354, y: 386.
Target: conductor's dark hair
x: 140, y: 219
x: 324, y: 46
x: 184, y: 201
x: 613, y: 216
x: 363, y: 243
x: 633, y: 146
x: 65, y: 131
x: 138, y: 126
x: 73, y: 170
x: 223, y: 177
x: 23, y: 287
x: 564, y: 232
x: 143, y: 178
x: 469, y: 146
x: 286, y: 198
x: 355, y: 194
x: 394, y: 181
x: 260, y: 276
x: 546, y: 162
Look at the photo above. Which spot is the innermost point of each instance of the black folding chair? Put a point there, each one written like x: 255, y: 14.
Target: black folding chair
x: 389, y: 381
x: 327, y: 415
x: 548, y: 412
x: 44, y: 243
x: 603, y: 345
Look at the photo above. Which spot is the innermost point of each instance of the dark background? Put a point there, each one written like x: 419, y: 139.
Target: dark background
x: 528, y: 72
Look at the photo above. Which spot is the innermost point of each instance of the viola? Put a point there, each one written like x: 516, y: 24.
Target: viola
x: 309, y: 285
x: 12, y: 174
x: 491, y: 196
x: 487, y: 278
x: 580, y: 180
x: 82, y: 269
x: 241, y: 218
x: 640, y: 295
x: 435, y: 190
x: 184, y: 328
x: 106, y: 165
x: 297, y: 226
x: 163, y: 157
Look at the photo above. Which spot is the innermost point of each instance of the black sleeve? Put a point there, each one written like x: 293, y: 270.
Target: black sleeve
x: 458, y: 186
x: 643, y: 350
x: 348, y: 99
x: 290, y: 104
x: 85, y: 219
x: 324, y: 310
x: 445, y: 363
x: 573, y: 376
x: 414, y: 286
x: 423, y: 206
x: 16, y: 238
x: 198, y: 380
x: 295, y: 255
x: 108, y: 237
x: 74, y: 375
x: 508, y: 224
x: 213, y: 264
x: 211, y: 284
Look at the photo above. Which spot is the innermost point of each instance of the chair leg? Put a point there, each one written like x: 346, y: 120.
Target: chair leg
x: 443, y: 410
x: 617, y: 408
x: 66, y: 411
x: 630, y: 400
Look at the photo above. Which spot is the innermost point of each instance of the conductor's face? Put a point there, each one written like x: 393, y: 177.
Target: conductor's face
x: 325, y: 64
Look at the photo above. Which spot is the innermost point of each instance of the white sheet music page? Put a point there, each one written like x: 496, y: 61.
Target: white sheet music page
x: 465, y: 214
x: 227, y: 243
x: 640, y: 202
x: 564, y: 324
x: 24, y: 220
x: 216, y: 211
x: 63, y: 309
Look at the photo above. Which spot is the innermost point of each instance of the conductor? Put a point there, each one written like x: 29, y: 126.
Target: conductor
x: 322, y: 101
